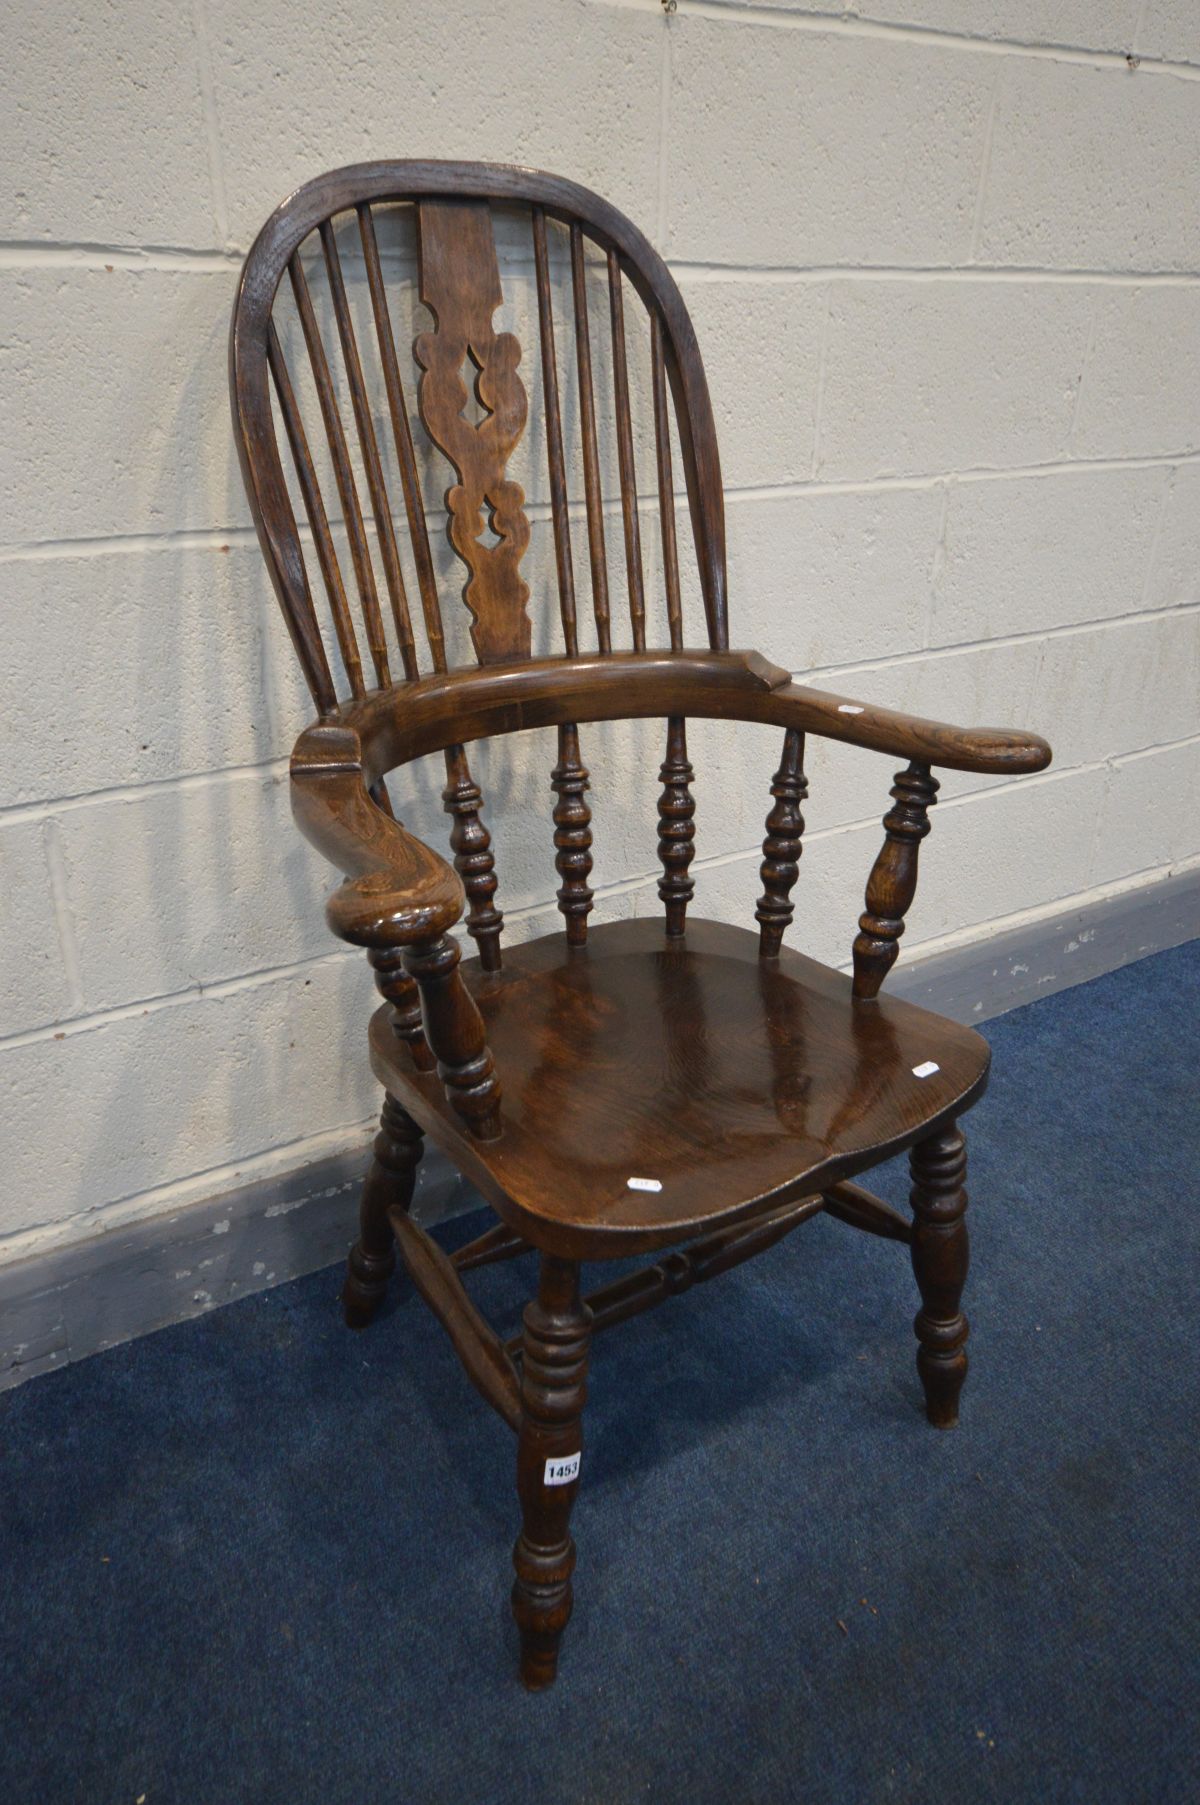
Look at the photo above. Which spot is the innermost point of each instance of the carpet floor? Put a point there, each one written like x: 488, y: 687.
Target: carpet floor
x: 255, y: 1557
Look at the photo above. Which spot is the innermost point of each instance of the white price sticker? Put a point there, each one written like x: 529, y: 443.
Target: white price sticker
x: 643, y: 1184
x: 849, y: 708
x: 927, y: 1069
x: 561, y: 1472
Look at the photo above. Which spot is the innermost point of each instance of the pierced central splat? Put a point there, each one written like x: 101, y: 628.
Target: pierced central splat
x: 485, y: 412
x: 460, y: 284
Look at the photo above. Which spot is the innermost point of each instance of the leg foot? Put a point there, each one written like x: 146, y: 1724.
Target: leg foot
x: 553, y: 1388
x: 939, y: 1257
x: 390, y: 1179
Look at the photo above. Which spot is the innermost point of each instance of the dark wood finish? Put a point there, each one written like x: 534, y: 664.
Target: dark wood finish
x: 498, y: 1243
x: 318, y: 520
x: 343, y: 472
x: 862, y: 1209
x: 676, y: 829
x: 455, y: 1033
x: 464, y: 705
x: 471, y: 845
x: 402, y: 435
x: 591, y: 455
x: 554, y: 1356
x: 939, y: 1257
x: 782, y: 846
x: 893, y: 880
x: 697, y: 1092
x: 477, y: 1345
x: 666, y: 484
x: 692, y: 1265
x: 734, y: 1082
x: 404, y: 999
x: 572, y: 834
x: 629, y: 501
x: 460, y: 284
x: 389, y: 1186
x: 554, y: 438
x: 381, y: 510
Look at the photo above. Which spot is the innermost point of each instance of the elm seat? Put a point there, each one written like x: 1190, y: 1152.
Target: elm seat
x: 742, y: 1084
x: 735, y: 1083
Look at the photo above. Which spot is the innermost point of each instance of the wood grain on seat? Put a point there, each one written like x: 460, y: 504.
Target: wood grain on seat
x: 727, y: 1079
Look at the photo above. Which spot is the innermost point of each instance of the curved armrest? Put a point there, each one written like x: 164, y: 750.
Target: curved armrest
x: 984, y: 749
x: 398, y: 892
x: 449, y: 707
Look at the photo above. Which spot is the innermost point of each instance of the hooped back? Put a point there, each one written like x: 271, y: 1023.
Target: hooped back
x: 473, y: 406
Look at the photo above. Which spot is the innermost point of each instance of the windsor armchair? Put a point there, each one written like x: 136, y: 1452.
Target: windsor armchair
x: 645, y: 1084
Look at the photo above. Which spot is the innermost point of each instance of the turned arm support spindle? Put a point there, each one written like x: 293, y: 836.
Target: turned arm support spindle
x: 676, y: 827
x: 471, y: 844
x: 782, y: 846
x: 893, y: 880
x: 572, y: 834
x: 399, y: 901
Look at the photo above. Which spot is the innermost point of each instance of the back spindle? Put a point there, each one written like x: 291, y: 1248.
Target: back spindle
x: 311, y: 649
x: 629, y: 501
x: 343, y: 472
x: 782, y: 847
x: 381, y: 507
x: 572, y: 835
x: 591, y: 453
x: 666, y: 486
x: 471, y: 844
x: 410, y: 480
x: 676, y: 830
x: 554, y: 438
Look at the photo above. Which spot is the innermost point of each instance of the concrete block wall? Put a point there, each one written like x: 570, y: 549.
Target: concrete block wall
x: 944, y: 260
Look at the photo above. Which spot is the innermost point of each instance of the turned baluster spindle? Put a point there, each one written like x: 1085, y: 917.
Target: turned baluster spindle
x: 676, y: 828
x: 471, y: 844
x: 554, y: 1361
x: 456, y: 1035
x: 893, y: 880
x: 782, y: 846
x: 591, y: 454
x: 400, y: 993
x: 572, y: 835
x: 940, y: 1256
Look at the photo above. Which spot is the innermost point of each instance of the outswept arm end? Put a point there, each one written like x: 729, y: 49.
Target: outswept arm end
x: 998, y: 751
x: 397, y: 891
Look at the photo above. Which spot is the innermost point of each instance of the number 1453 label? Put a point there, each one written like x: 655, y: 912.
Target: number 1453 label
x: 562, y: 1471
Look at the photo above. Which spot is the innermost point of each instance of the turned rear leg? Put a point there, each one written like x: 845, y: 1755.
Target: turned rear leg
x: 553, y: 1389
x: 939, y: 1257
x: 389, y: 1184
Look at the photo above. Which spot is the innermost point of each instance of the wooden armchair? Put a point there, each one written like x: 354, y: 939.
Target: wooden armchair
x: 651, y: 1084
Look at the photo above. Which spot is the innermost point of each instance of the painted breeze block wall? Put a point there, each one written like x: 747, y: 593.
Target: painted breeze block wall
x: 944, y: 263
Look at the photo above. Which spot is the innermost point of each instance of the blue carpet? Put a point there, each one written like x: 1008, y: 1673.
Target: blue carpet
x: 255, y: 1557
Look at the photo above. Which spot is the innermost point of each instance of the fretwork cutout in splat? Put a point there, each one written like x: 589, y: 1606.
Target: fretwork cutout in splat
x: 460, y: 284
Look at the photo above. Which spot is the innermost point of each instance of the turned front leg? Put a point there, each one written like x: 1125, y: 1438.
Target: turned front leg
x: 939, y: 1257
x: 389, y: 1185
x: 553, y: 1388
